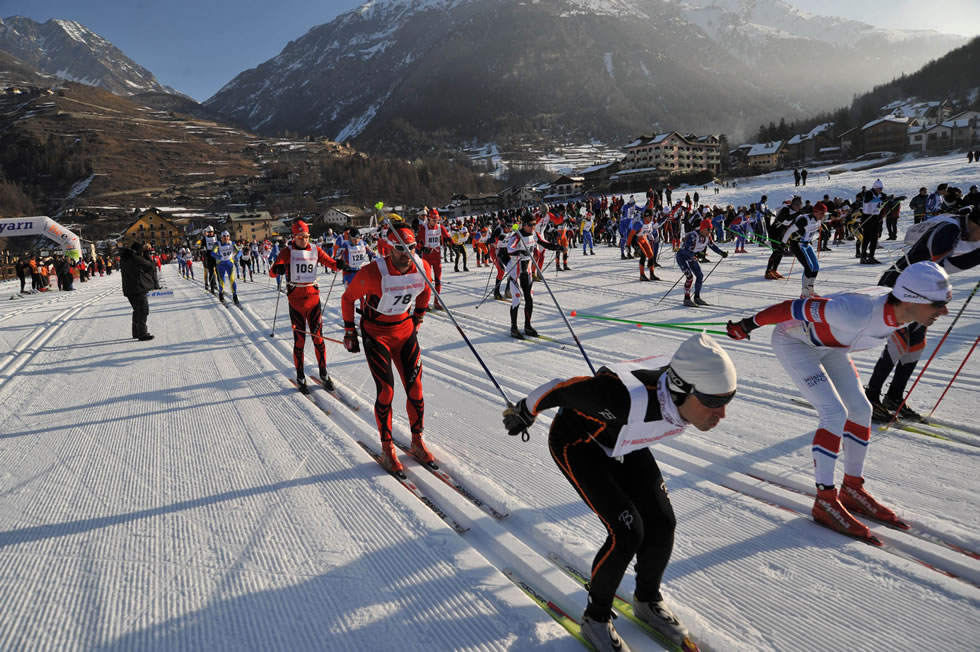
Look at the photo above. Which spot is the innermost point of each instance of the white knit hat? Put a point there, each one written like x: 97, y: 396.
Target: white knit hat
x: 700, y: 363
x: 923, y: 282
x: 878, y: 184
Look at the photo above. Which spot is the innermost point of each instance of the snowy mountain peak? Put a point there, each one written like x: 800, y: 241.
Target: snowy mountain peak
x: 69, y: 50
x: 481, y: 68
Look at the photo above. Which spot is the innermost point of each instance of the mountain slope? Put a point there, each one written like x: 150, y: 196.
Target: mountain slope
x: 818, y: 60
x: 73, y: 52
x: 489, y: 69
x: 14, y: 72
x: 483, y: 68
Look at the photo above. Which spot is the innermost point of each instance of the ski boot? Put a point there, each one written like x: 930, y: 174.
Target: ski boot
x: 658, y: 615
x: 688, y: 302
x: 529, y: 330
x: 507, y: 294
x: 301, y: 384
x: 643, y: 277
x: 891, y: 404
x: 854, y: 497
x: 653, y: 276
x: 591, y: 253
x: 497, y: 295
x: 325, y: 380
x: 221, y: 296
x: 419, y: 451
x: 602, y: 636
x: 516, y: 334
x: 828, y: 510
x: 234, y: 299
x: 701, y: 302
x: 389, y: 459
x: 566, y: 267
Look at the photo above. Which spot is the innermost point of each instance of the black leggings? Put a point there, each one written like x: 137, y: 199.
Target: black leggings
x: 630, y: 498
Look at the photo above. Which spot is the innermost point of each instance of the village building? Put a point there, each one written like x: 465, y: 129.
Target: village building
x: 250, y: 226
x: 154, y: 228
x: 765, y: 156
x: 671, y: 153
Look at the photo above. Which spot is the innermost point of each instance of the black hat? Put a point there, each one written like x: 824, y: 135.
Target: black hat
x: 353, y: 232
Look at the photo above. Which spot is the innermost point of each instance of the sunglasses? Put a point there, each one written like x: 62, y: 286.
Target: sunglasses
x: 405, y: 249
x: 939, y: 304
x: 714, y: 401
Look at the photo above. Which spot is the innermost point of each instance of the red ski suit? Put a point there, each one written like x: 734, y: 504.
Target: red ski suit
x: 389, y: 337
x: 430, y: 241
x: 303, y: 294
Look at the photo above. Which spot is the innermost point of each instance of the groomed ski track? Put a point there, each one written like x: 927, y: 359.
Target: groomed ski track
x: 180, y: 494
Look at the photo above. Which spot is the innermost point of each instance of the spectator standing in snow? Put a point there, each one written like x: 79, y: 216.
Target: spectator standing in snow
x: 139, y: 276
x: 803, y: 174
x: 918, y: 205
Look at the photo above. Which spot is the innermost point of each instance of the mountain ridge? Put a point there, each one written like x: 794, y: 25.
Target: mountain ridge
x: 71, y: 51
x: 606, y: 69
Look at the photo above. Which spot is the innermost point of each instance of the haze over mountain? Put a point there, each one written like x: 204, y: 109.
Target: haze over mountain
x: 605, y: 69
x: 73, y: 52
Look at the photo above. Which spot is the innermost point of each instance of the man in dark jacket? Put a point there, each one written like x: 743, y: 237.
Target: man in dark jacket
x: 139, y: 276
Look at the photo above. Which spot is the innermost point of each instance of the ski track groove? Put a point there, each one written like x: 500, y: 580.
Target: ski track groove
x: 264, y: 460
x: 458, y: 604
x: 453, y: 375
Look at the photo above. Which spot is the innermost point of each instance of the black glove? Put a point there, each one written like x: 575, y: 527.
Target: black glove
x: 740, y: 330
x: 724, y: 254
x: 351, y: 343
x: 517, y: 418
x: 279, y: 269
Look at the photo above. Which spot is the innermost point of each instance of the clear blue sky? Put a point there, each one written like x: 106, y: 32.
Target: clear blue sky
x: 198, y: 46
x: 194, y: 46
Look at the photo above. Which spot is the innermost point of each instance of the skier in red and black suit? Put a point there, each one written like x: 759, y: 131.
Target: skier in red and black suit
x: 298, y: 261
x: 430, y: 237
x: 395, y: 298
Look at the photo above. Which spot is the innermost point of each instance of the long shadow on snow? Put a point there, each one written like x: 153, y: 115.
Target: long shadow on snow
x: 379, y: 601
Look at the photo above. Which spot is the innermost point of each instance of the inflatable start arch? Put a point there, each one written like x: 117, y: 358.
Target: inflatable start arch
x: 11, y: 227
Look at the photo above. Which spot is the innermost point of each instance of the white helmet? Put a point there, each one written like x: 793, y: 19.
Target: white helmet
x: 209, y: 229
x: 701, y: 364
x: 225, y: 233
x: 923, y: 282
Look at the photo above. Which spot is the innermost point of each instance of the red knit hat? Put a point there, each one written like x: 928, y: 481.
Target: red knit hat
x: 299, y: 226
x: 406, y: 234
x: 705, y: 224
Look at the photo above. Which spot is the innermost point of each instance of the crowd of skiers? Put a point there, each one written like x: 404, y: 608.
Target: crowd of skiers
x: 392, y: 276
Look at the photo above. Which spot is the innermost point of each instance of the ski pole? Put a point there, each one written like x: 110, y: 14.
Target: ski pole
x: 935, y: 351
x: 714, y: 268
x: 680, y: 326
x: 425, y: 277
x: 557, y: 305
x: 331, y: 287
x: 955, y: 375
x: 486, y: 290
x: 651, y: 323
x: 276, y: 314
x: 329, y: 339
x: 671, y: 288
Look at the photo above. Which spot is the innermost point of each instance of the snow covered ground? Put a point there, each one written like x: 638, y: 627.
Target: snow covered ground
x: 180, y: 494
